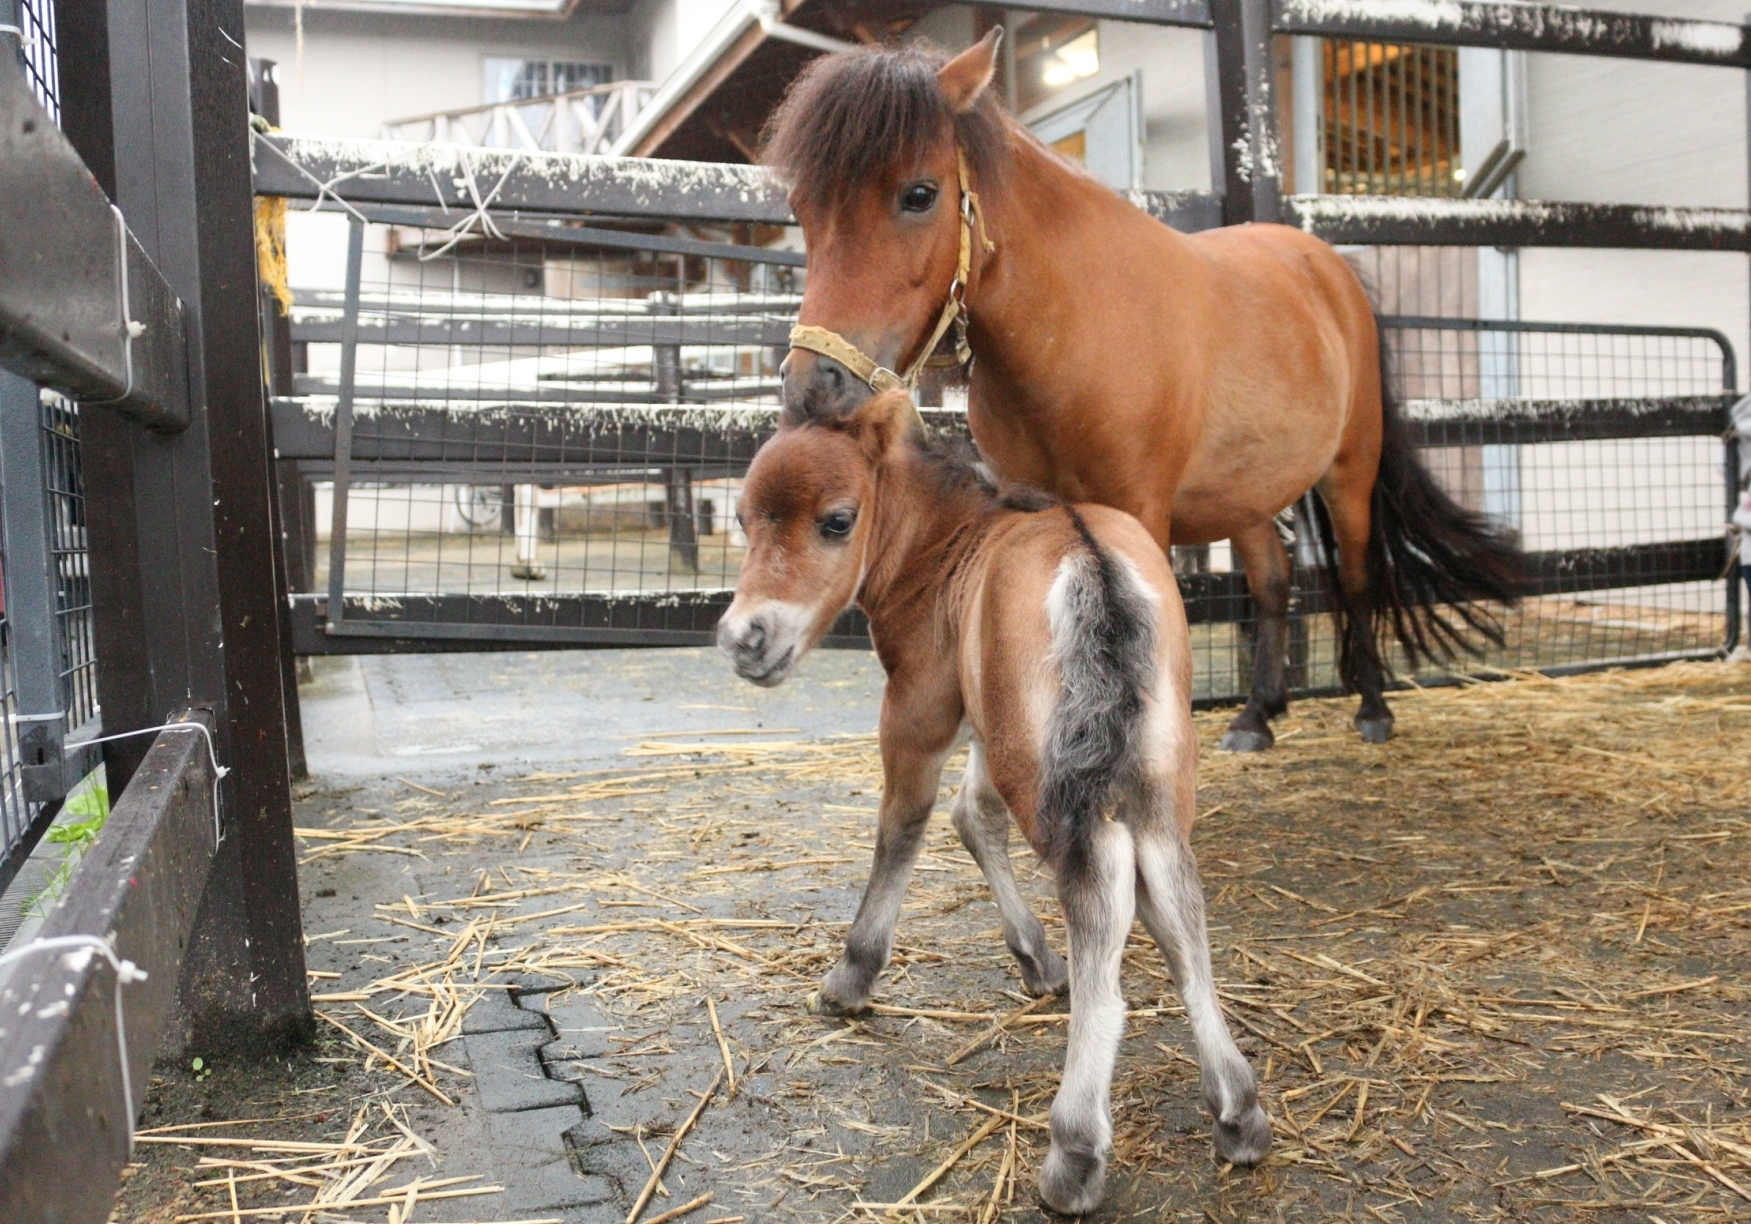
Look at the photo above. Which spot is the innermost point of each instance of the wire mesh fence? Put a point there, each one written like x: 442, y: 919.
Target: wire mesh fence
x: 69, y: 549
x: 1599, y: 447
x: 546, y: 431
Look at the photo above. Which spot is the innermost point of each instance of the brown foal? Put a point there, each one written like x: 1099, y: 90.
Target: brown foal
x: 1054, y: 634
x: 1202, y: 383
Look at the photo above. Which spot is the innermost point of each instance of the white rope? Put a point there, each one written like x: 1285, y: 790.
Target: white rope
x: 131, y: 329
x: 219, y: 771
x: 464, y: 227
x: 77, y: 954
x: 324, y: 191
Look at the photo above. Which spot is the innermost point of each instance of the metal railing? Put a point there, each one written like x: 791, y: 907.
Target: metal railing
x: 580, y: 121
x: 539, y: 438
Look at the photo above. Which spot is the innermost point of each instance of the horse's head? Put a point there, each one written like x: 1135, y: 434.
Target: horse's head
x: 807, y: 507
x: 872, y: 143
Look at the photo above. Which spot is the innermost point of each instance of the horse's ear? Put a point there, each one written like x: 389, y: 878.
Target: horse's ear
x: 965, y: 77
x: 882, y: 422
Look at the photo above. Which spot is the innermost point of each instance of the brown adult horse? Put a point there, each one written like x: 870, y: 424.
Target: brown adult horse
x: 1055, y: 635
x: 1200, y: 382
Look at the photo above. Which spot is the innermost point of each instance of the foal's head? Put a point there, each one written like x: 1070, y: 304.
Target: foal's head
x: 808, y: 510
x: 867, y: 142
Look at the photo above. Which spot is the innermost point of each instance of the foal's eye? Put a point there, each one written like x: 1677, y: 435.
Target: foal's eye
x: 918, y: 198
x: 836, y: 525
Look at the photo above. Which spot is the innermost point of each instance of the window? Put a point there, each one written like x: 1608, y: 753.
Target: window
x: 1390, y: 122
x: 520, y: 80
x: 1052, y: 52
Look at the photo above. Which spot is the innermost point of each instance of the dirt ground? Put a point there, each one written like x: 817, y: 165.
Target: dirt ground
x: 1495, y: 969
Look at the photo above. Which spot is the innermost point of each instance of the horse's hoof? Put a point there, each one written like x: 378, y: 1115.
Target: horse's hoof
x: 1375, y: 730
x: 1072, y: 1183
x: 820, y: 1005
x: 529, y: 573
x: 1247, y: 741
x: 1245, y: 1141
x: 1049, y: 976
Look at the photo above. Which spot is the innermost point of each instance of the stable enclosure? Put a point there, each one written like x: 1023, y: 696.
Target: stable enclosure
x: 520, y: 423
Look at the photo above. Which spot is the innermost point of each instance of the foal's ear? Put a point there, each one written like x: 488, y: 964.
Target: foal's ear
x: 882, y: 422
x: 965, y: 77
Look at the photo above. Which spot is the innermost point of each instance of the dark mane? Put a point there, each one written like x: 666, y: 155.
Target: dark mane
x: 850, y: 116
x: 956, y: 465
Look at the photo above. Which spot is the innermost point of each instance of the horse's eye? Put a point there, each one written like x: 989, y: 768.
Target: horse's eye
x: 836, y: 525
x: 918, y: 198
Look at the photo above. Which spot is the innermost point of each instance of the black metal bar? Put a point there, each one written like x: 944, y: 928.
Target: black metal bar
x: 552, y: 231
x: 585, y: 391
x: 1193, y: 13
x: 551, y: 443
x: 63, y: 1116
x: 1225, y: 74
x: 689, y: 618
x: 562, y: 184
x: 69, y: 291
x: 343, y: 420
x: 1186, y: 211
x: 1520, y: 27
x: 205, y: 628
x: 581, y: 331
x: 1395, y: 221
x: 1521, y: 422
x: 41, y: 712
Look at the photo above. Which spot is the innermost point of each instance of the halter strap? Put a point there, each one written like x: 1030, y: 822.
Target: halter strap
x: 832, y: 345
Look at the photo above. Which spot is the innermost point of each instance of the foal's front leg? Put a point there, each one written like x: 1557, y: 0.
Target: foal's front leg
x: 910, y: 778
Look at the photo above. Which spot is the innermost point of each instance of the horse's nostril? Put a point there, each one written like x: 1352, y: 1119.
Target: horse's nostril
x: 755, y: 638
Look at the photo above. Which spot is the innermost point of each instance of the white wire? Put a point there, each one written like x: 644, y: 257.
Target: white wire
x: 219, y: 771
x: 131, y: 330
x: 127, y: 972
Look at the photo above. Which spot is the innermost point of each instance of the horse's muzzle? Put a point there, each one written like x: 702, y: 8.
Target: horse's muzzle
x: 819, y: 388
x: 763, y: 647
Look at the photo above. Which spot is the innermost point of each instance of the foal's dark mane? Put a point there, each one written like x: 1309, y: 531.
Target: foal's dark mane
x: 851, y: 116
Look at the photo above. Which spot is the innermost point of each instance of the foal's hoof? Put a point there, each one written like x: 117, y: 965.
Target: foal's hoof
x: 1048, y: 975
x: 1073, y: 1182
x: 1237, y: 740
x: 1374, y: 730
x: 1245, y: 1140
x: 819, y: 1004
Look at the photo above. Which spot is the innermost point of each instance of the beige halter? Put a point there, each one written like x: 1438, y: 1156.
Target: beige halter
x: 954, y: 313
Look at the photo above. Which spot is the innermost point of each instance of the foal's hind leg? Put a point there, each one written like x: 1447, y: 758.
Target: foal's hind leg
x: 1261, y: 553
x: 1171, y: 903
x: 982, y: 820
x: 1098, y: 896
x: 1349, y: 500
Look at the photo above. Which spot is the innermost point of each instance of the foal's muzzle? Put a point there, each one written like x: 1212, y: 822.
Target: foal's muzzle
x: 763, y: 647
x: 819, y: 388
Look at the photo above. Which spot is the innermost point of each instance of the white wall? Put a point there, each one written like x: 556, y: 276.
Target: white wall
x: 660, y: 33
x: 363, y: 69
x: 1176, y: 150
x: 1618, y: 131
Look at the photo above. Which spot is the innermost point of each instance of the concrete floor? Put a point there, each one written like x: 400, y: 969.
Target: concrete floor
x: 376, y: 715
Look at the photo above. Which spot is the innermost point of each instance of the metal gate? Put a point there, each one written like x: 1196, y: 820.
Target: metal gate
x: 523, y: 423
x: 534, y: 435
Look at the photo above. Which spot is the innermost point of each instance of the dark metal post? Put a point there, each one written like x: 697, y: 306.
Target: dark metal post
x: 343, y: 424
x: 1244, y: 104
x: 30, y: 591
x: 185, y: 596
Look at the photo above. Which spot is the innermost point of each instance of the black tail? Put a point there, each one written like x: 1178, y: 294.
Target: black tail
x: 1431, y: 561
x: 1103, y: 638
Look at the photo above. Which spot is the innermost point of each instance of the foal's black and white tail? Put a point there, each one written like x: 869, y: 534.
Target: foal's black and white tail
x: 1104, y: 642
